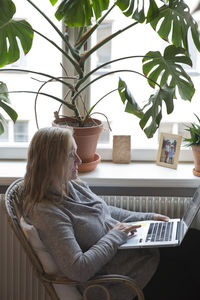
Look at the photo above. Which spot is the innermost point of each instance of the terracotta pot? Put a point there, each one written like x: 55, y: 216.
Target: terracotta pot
x: 89, y: 166
x: 86, y: 139
x: 196, y: 155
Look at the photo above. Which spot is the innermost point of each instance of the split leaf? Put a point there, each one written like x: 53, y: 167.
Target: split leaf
x: 167, y: 69
x: 12, y: 31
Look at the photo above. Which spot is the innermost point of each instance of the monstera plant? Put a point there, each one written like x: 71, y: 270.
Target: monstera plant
x: 163, y: 72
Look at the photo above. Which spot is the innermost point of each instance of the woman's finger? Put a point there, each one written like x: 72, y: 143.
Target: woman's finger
x: 132, y: 228
x: 159, y: 217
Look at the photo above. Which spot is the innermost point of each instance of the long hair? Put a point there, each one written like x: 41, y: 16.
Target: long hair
x: 47, y: 166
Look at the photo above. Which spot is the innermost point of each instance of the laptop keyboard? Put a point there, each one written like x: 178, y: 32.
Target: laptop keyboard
x: 160, y: 232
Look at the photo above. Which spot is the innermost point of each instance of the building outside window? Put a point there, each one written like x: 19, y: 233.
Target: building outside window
x: 21, y: 131
x: 4, y: 137
x: 43, y: 57
x: 18, y: 132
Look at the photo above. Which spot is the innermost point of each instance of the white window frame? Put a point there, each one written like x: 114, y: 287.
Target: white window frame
x: 19, y: 150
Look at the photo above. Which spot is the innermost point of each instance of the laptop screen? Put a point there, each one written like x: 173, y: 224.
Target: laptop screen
x: 192, y: 208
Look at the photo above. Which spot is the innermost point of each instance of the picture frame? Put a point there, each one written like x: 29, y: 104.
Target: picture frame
x: 169, y: 150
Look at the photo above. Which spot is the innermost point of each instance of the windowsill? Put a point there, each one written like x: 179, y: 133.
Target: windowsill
x: 136, y: 174
x: 142, y: 174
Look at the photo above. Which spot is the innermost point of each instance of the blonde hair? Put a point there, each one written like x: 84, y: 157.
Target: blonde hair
x: 47, y: 166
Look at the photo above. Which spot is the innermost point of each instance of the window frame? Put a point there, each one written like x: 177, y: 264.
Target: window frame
x: 18, y: 151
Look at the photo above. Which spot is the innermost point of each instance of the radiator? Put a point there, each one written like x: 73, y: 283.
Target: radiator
x: 17, y: 280
x: 171, y: 206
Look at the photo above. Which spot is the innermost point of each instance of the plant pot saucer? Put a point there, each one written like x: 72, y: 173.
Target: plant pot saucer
x: 196, y: 173
x: 90, y: 166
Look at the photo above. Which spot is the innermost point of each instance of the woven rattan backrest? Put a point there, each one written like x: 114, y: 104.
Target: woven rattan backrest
x: 13, y: 207
x: 14, y: 211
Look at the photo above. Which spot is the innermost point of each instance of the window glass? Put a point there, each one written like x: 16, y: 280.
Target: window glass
x: 21, y: 131
x: 18, y: 132
x: 104, y: 53
x: 43, y: 57
x: 4, y: 137
x: 138, y: 41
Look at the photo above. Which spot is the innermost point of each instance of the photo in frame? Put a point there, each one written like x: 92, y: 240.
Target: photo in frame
x: 169, y: 149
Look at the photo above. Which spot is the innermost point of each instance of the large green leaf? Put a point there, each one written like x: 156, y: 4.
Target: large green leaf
x: 53, y: 1
x: 79, y: 12
x: 167, y: 69
x: 9, y: 110
x: 4, y: 100
x: 150, y: 117
x: 133, y: 8
x: 10, y: 30
x: 4, y: 92
x: 154, y: 114
x: 173, y: 23
x: 128, y: 99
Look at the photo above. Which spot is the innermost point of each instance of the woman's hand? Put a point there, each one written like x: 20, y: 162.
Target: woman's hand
x: 127, y: 227
x: 158, y: 217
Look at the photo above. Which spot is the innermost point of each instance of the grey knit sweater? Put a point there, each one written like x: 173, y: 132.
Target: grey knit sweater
x: 78, y: 233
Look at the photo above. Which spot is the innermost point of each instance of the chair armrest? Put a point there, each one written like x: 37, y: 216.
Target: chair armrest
x: 59, y: 279
x: 114, y: 278
x: 98, y: 281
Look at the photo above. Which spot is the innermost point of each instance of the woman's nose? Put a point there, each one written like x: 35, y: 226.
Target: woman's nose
x: 78, y: 159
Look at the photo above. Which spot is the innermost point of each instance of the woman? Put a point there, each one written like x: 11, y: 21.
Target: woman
x: 80, y: 231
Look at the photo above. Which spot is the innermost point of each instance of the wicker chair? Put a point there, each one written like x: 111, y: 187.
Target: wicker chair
x: 13, y: 209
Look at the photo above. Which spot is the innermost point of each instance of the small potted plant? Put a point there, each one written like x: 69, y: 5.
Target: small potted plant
x: 163, y: 72
x: 194, y: 142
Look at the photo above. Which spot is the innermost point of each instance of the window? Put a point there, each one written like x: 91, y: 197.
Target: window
x: 43, y: 57
x: 104, y: 53
x: 21, y: 131
x: 4, y: 137
x: 124, y: 123
x: 17, y: 132
x: 22, y: 61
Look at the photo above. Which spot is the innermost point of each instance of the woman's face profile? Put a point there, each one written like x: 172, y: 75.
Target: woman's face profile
x: 73, y: 163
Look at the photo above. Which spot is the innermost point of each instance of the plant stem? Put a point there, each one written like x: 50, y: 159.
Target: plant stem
x: 80, y: 33
x: 73, y: 62
x: 36, y: 98
x: 86, y: 36
x: 56, y: 29
x: 109, y: 73
x: 104, y: 41
x: 99, y: 113
x: 91, y: 109
x: 42, y: 74
x: 103, y: 65
x: 69, y: 105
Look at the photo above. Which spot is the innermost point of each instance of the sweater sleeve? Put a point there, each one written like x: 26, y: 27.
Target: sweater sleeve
x: 124, y: 215
x: 56, y: 232
x: 120, y: 214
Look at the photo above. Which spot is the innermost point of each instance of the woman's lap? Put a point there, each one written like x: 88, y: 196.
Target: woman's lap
x: 139, y: 264
x: 177, y: 276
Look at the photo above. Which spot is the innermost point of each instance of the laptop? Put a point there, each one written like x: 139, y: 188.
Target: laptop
x: 164, y: 234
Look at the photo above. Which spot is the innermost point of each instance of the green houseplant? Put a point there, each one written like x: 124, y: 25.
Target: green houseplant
x: 163, y: 72
x: 194, y: 142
